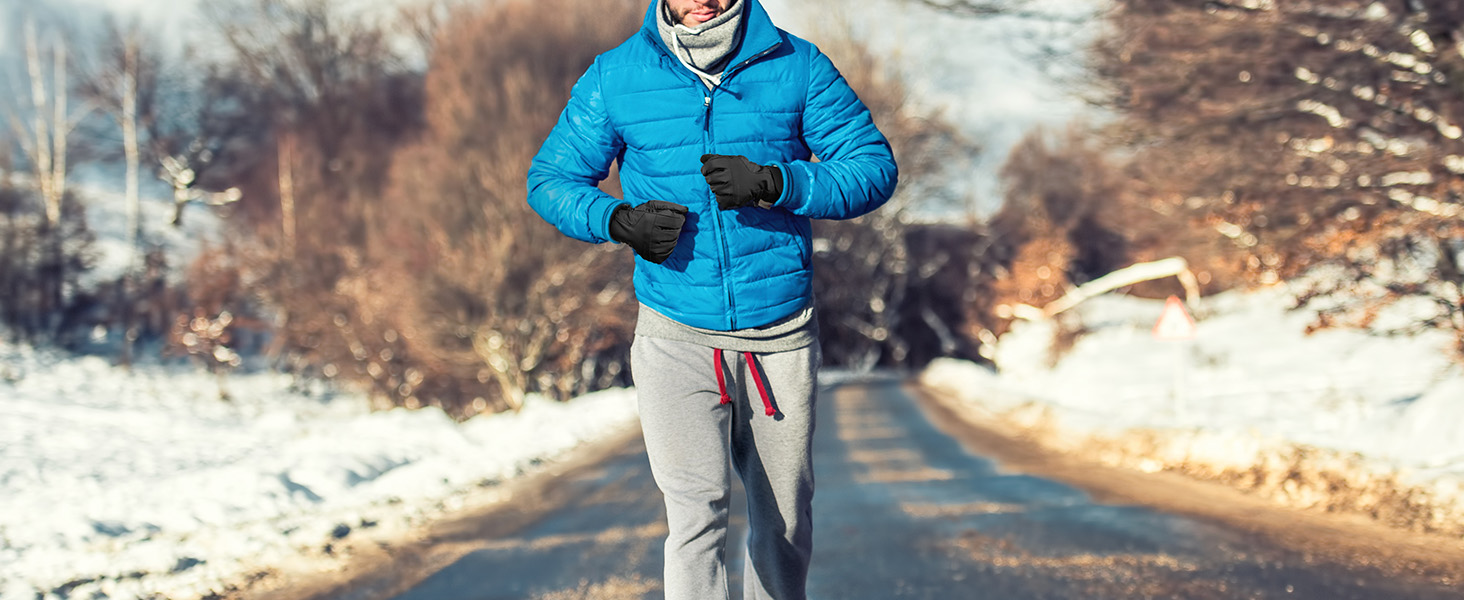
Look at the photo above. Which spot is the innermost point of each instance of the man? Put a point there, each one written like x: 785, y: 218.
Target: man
x: 714, y: 115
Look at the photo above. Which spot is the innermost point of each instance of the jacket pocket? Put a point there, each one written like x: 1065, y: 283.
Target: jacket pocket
x: 803, y: 236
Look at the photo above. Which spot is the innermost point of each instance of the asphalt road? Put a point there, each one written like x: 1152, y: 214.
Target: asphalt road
x: 902, y: 510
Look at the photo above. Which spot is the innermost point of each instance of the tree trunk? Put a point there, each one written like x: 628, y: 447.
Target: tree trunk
x: 132, y: 279
x: 47, y: 153
x: 286, y: 147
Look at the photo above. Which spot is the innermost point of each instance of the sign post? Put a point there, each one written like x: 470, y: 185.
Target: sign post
x: 1176, y: 325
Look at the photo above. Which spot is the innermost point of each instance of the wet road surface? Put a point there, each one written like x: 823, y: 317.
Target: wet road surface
x: 901, y: 511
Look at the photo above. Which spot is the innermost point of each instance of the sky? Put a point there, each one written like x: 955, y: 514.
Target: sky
x: 82, y: 17
x: 172, y: 19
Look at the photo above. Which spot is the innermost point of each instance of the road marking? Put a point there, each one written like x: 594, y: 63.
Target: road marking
x: 926, y: 510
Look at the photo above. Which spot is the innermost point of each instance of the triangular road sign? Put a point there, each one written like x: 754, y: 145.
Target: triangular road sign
x: 1176, y: 322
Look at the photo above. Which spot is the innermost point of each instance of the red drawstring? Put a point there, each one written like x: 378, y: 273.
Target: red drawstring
x: 757, y: 377
x: 721, y: 383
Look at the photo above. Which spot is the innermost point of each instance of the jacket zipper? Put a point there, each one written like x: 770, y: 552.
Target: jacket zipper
x: 716, y: 210
x: 721, y: 232
x: 707, y: 140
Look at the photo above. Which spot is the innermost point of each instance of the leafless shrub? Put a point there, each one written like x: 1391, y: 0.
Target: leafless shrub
x: 387, y: 226
x: 1053, y: 229
x: 1306, y: 134
x: 33, y: 268
x: 1070, y: 216
x: 308, y: 109
x: 490, y: 301
x: 218, y: 321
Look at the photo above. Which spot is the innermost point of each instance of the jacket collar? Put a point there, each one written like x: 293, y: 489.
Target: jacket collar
x: 760, y: 37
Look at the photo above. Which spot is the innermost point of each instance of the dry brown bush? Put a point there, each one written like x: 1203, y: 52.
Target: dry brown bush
x: 308, y: 110
x: 1073, y: 213
x: 217, y: 321
x: 1055, y: 228
x: 1305, y: 134
x: 480, y: 300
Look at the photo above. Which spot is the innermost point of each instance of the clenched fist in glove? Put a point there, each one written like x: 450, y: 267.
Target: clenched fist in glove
x: 739, y: 182
x: 651, y: 228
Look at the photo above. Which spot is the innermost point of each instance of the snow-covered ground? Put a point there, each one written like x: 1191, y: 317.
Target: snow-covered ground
x: 1338, y: 419
x: 121, y: 485
x: 145, y: 483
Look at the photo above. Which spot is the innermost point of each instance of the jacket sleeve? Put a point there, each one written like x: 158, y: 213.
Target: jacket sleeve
x: 573, y: 160
x: 856, y: 172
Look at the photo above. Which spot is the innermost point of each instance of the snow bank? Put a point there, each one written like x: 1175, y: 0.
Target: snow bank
x: 124, y: 485
x: 1337, y: 420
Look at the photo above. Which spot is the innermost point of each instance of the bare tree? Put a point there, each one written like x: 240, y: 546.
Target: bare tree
x: 124, y: 87
x: 158, y: 130
x: 43, y: 139
x: 1306, y: 133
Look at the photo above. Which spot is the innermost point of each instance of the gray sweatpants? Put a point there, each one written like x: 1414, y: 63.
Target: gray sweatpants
x: 689, y: 436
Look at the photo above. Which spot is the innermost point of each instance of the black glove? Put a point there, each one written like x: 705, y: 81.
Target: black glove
x: 651, y: 228
x: 739, y: 182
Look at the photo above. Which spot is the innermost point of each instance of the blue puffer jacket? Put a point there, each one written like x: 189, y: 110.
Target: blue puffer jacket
x: 780, y: 102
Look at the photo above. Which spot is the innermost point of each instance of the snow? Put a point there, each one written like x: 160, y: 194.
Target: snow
x: 119, y: 484
x: 99, y: 189
x: 126, y: 484
x: 1251, y: 386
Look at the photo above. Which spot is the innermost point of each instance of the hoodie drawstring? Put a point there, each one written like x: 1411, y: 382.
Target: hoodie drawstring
x: 757, y: 377
x: 721, y: 383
